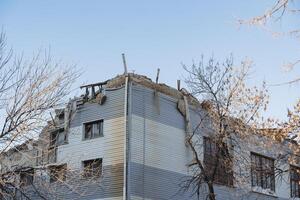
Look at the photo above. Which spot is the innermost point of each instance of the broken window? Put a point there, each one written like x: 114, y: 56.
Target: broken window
x: 26, y: 177
x: 58, y: 173
x: 61, y: 116
x: 92, y: 168
x: 262, y: 172
x: 40, y: 157
x: 58, y: 137
x: 7, y: 183
x: 295, y: 181
x: 52, y: 155
x: 93, y: 129
x: 217, y: 162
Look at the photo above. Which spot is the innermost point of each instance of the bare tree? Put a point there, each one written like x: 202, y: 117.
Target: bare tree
x: 29, y: 91
x: 273, y: 14
x: 277, y: 12
x: 229, y: 123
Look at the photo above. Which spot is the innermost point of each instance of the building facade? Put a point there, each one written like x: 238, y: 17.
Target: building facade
x: 125, y: 139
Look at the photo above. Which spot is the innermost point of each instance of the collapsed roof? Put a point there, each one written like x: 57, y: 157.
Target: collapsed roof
x: 119, y: 81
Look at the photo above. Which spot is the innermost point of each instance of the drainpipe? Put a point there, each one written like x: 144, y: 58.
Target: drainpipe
x: 125, y: 139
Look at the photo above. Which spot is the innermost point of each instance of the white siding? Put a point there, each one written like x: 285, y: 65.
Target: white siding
x: 110, y: 147
x: 242, y: 156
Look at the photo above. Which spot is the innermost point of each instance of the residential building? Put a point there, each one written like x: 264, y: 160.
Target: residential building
x: 125, y: 139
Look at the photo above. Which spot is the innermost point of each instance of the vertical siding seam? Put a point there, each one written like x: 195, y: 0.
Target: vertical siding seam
x: 129, y: 119
x: 144, y: 143
x: 125, y: 140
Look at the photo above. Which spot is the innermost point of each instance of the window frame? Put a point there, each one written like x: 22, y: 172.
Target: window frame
x: 224, y: 172
x: 54, y: 135
x: 295, y: 181
x: 62, y: 169
x: 93, y: 136
x: 92, y: 173
x: 262, y: 178
x: 26, y: 174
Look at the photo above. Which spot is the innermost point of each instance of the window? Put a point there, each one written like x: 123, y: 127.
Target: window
x: 52, y: 155
x: 58, y: 173
x: 93, y: 129
x: 58, y: 137
x: 224, y: 173
x: 92, y: 168
x: 262, y: 172
x: 295, y: 181
x: 40, y: 157
x: 61, y: 116
x: 7, y: 184
x: 26, y: 177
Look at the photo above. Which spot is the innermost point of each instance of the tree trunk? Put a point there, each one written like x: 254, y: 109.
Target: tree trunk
x: 211, y: 195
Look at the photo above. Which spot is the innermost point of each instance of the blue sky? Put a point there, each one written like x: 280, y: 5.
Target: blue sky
x: 152, y: 34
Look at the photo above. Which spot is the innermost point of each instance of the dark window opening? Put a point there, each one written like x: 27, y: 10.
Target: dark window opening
x: 26, y: 177
x: 295, y: 181
x: 58, y: 138
x: 92, y: 168
x: 262, y: 172
x: 93, y: 129
x: 61, y: 116
x: 221, y: 164
x: 58, y: 173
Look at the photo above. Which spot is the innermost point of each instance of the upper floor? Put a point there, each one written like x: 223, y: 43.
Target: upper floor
x: 128, y: 135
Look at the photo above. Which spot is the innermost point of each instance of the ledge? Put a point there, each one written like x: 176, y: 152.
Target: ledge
x: 264, y: 191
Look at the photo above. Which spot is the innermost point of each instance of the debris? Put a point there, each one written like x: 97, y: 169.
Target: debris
x: 100, y: 98
x: 119, y: 81
x: 207, y: 105
x: 181, y: 107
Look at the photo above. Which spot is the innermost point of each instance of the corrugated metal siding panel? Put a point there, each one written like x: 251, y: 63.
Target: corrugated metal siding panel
x: 143, y: 101
x: 110, y: 147
x: 112, y: 108
x: 158, y: 145
x: 158, y: 155
x: 153, y: 183
x: 110, y: 185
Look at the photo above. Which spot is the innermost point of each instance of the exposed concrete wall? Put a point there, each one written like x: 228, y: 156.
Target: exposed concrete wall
x: 14, y: 159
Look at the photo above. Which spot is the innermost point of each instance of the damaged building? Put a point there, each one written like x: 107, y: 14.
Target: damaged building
x: 124, y: 139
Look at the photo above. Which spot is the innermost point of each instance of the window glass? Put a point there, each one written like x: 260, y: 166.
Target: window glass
x: 262, y: 172
x: 224, y: 173
x: 93, y: 129
x: 295, y: 181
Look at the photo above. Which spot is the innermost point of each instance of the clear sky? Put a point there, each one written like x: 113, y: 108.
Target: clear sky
x: 152, y: 34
